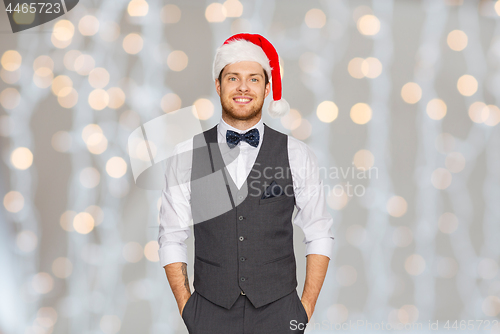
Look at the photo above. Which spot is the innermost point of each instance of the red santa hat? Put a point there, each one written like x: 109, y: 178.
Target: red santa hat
x: 254, y: 47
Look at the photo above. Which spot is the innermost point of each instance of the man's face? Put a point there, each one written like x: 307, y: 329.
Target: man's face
x: 242, y: 90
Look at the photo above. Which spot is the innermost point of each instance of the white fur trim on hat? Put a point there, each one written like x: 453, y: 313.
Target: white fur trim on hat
x: 239, y: 50
x: 278, y: 108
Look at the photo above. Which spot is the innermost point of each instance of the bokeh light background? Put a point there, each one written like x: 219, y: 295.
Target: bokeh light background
x: 409, y: 88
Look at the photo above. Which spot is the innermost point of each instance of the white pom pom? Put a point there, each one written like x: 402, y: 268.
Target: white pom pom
x: 278, y: 108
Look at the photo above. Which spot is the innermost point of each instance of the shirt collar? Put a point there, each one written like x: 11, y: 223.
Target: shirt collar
x: 223, y: 127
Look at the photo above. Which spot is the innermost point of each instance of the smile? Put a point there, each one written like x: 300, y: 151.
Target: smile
x: 242, y: 100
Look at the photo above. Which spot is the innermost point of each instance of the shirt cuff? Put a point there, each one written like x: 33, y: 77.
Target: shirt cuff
x: 171, y: 253
x: 323, y: 246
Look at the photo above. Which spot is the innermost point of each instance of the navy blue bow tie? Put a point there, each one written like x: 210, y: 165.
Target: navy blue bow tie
x: 251, y: 137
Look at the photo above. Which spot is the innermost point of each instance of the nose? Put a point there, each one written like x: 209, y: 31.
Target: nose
x: 243, y: 87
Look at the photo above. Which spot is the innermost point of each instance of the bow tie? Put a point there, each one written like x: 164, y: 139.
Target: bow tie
x: 251, y: 137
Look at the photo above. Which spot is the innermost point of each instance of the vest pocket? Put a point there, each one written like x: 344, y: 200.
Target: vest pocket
x: 208, y: 261
x: 277, y: 259
x: 272, y: 199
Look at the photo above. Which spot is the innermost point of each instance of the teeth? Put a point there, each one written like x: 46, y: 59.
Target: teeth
x: 242, y: 100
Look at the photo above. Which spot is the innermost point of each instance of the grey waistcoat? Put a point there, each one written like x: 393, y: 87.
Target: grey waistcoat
x: 249, y: 247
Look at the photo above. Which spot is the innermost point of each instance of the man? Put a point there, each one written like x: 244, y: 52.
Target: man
x: 245, y: 269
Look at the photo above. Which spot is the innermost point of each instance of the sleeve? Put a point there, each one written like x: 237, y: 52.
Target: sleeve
x: 175, y: 211
x: 312, y: 215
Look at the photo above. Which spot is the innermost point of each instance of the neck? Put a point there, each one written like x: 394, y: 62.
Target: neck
x: 241, y: 124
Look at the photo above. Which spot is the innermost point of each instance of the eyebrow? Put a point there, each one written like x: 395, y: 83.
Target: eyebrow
x: 236, y: 73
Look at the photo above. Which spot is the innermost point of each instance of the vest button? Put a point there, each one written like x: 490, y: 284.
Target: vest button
x: 240, y: 197
x: 243, y: 279
x: 242, y: 258
x: 241, y: 238
x: 240, y: 217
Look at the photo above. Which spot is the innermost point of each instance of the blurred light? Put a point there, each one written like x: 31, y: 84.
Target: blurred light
x: 414, y: 264
x: 26, y: 241
x: 337, y: 314
x: 371, y: 67
x: 354, y: 68
x: 68, y: 97
x: 402, y: 236
x: 110, y: 324
x: 177, y: 60
x: 132, y: 43
x: 21, y: 158
x: 215, y: 12
x: 346, y: 275
x: 43, y: 77
x: 62, y: 267
x: 491, y: 306
x: 60, y: 82
x: 98, y: 77
x: 327, y: 111
x: 234, y: 8
x: 138, y: 8
x: 83, y: 223
x: 361, y: 113
x: 356, y: 235
x: 66, y: 220
x: 42, y: 283
x: 13, y: 201
x: 62, y: 34
x: 70, y: 58
x: 497, y: 7
x: 204, y: 109
x: 170, y: 14
x: 441, y: 178
x: 467, y: 85
x: 396, y: 206
x: 109, y: 31
x: 151, y: 251
x: 132, y: 252
x: 116, y: 97
x: 487, y: 269
x: 11, y: 60
x: 96, y: 213
x: 46, y: 317
x: 445, y: 143
x: 10, y: 77
x: 447, y: 267
x: 457, y: 40
x: 116, y: 167
x: 493, y: 115
x: 43, y: 61
x: 368, y: 25
x: 448, y: 223
x: 98, y: 99
x: 479, y: 112
x: 10, y: 98
x: 363, y: 160
x: 411, y: 93
x: 88, y: 25
x: 303, y: 131
x: 455, y: 162
x: 89, y: 130
x: 240, y: 26
x: 291, y: 120
x: 408, y: 314
x: 337, y: 198
x: 97, y: 143
x: 90, y: 177
x: 84, y: 64
x: 315, y: 18
x: 359, y: 11
x: 170, y: 102
x: 436, y: 109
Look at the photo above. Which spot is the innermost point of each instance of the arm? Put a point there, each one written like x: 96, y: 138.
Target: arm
x: 179, y: 283
x: 316, y: 268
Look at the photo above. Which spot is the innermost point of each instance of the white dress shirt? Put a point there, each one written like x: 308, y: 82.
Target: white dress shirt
x: 175, y: 211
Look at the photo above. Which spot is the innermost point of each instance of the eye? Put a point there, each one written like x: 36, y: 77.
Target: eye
x: 256, y: 80
x: 230, y: 79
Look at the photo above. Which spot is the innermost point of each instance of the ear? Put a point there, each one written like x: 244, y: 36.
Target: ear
x: 217, y: 86
x: 268, y: 88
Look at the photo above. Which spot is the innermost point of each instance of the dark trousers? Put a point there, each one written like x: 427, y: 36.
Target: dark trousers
x: 285, y: 315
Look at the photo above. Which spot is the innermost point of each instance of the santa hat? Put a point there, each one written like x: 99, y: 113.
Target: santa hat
x: 254, y: 47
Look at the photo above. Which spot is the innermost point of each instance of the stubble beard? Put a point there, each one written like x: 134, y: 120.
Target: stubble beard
x: 228, y: 109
